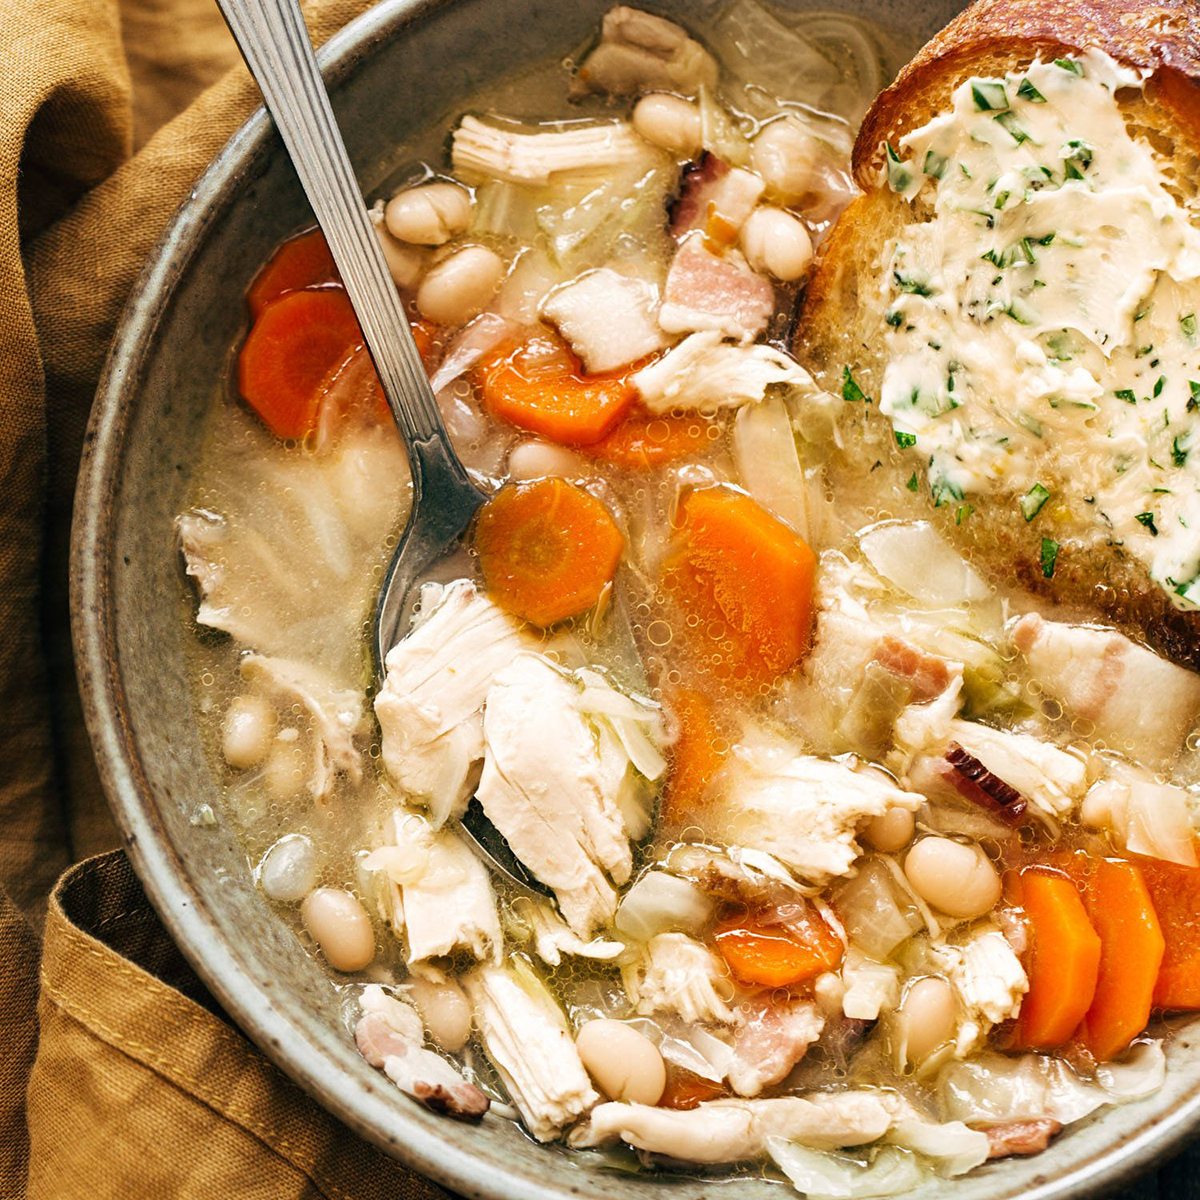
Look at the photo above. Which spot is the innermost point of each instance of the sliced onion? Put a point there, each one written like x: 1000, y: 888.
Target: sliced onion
x: 1143, y: 1072
x: 484, y: 333
x: 872, y: 917
x: 764, y: 448
x: 952, y: 1146
x: 822, y: 1174
x: 919, y: 561
x: 719, y: 134
x: 659, y: 902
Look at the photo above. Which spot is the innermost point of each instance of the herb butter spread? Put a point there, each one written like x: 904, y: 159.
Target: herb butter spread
x: 1043, y: 312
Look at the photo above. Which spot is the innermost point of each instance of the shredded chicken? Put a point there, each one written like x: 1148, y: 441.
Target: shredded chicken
x: 544, y: 788
x: 869, y: 987
x: 772, y: 1039
x: 727, y: 1131
x: 804, y: 810
x: 675, y: 973
x: 437, y: 680
x: 335, y: 714
x: 481, y: 151
x: 390, y: 1034
x: 639, y: 52
x: 526, y: 1037
x: 1105, y: 678
x: 439, y: 894
x: 553, y: 937
x: 607, y: 318
x: 710, y: 290
x: 988, y: 979
x: 707, y: 373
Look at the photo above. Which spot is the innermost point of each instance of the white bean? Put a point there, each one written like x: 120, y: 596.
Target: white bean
x: 785, y: 154
x: 341, y: 927
x: 890, y: 832
x: 289, y: 869
x: 428, y: 215
x: 537, y: 459
x: 956, y: 878
x: 776, y: 242
x: 927, y: 1017
x: 670, y: 122
x: 624, y: 1064
x: 459, y: 286
x: 445, y: 1010
x: 404, y: 263
x: 246, y: 731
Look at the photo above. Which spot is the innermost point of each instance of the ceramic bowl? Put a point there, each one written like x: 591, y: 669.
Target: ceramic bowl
x: 398, y: 68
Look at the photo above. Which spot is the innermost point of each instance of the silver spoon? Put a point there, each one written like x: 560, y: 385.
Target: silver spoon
x: 274, y: 41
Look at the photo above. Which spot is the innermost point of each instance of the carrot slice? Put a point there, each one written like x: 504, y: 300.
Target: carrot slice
x: 547, y: 549
x: 696, y: 756
x: 747, y: 579
x: 1175, y: 892
x: 1131, y: 952
x: 686, y: 1090
x: 1064, y: 961
x: 776, y: 955
x: 642, y: 441
x: 289, y: 354
x: 538, y: 385
x: 301, y: 262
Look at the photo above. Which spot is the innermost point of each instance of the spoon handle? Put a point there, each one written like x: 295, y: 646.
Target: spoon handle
x: 274, y: 41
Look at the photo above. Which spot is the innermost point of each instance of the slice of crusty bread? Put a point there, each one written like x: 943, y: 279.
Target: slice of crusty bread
x: 842, y: 324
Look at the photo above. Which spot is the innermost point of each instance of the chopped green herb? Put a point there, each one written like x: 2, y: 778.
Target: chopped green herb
x: 1126, y: 394
x: 1069, y: 64
x: 1022, y: 313
x: 894, y: 317
x: 1018, y: 254
x: 904, y: 440
x: 1142, y: 351
x: 1002, y: 199
x: 1049, y: 556
x: 899, y: 176
x: 1193, y: 400
x: 914, y: 287
x: 1032, y: 502
x: 1159, y: 384
x: 1077, y: 157
x: 1028, y: 92
x: 1179, y: 453
x: 943, y: 491
x: 1147, y: 519
x: 851, y: 392
x: 964, y: 511
x: 1188, y: 326
x: 1008, y: 122
x: 965, y: 170
x: 935, y: 164
x: 989, y: 95
x: 912, y: 482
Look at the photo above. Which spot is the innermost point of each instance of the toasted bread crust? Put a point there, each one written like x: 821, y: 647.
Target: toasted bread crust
x: 1162, y: 37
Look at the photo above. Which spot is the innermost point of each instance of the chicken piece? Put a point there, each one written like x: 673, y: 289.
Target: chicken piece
x: 923, y: 726
x: 715, y: 198
x: 429, y: 707
x: 707, y: 290
x: 552, y: 937
x: 607, y: 318
x: 439, y: 894
x: 335, y: 714
x: 639, y: 52
x: 1147, y: 817
x: 728, y: 1131
x: 1051, y: 780
x: 870, y: 987
x: 480, y: 151
x: 1021, y: 1137
x: 390, y: 1034
x: 527, y: 1040
x: 1103, y: 677
x: 546, y: 789
x: 675, y: 973
x: 771, y: 1041
x: 706, y: 373
x: 803, y: 810
x: 988, y: 978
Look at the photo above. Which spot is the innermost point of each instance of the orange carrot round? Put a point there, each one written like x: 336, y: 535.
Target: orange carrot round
x: 1175, y: 893
x: 642, y: 441
x: 290, y: 353
x: 1131, y: 952
x: 1064, y: 961
x: 538, y: 385
x: 546, y: 549
x: 747, y: 579
x: 697, y: 755
x: 301, y: 262
x: 776, y: 955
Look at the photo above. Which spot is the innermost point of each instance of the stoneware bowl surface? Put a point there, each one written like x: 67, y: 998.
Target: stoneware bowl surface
x: 398, y: 68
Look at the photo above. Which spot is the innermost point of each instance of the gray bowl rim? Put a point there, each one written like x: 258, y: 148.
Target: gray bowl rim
x: 162, y: 873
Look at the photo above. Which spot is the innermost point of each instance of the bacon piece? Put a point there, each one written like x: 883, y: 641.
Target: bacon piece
x: 714, y: 197
x: 717, y: 291
x: 927, y: 675
x: 974, y: 782
x: 1021, y: 1137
